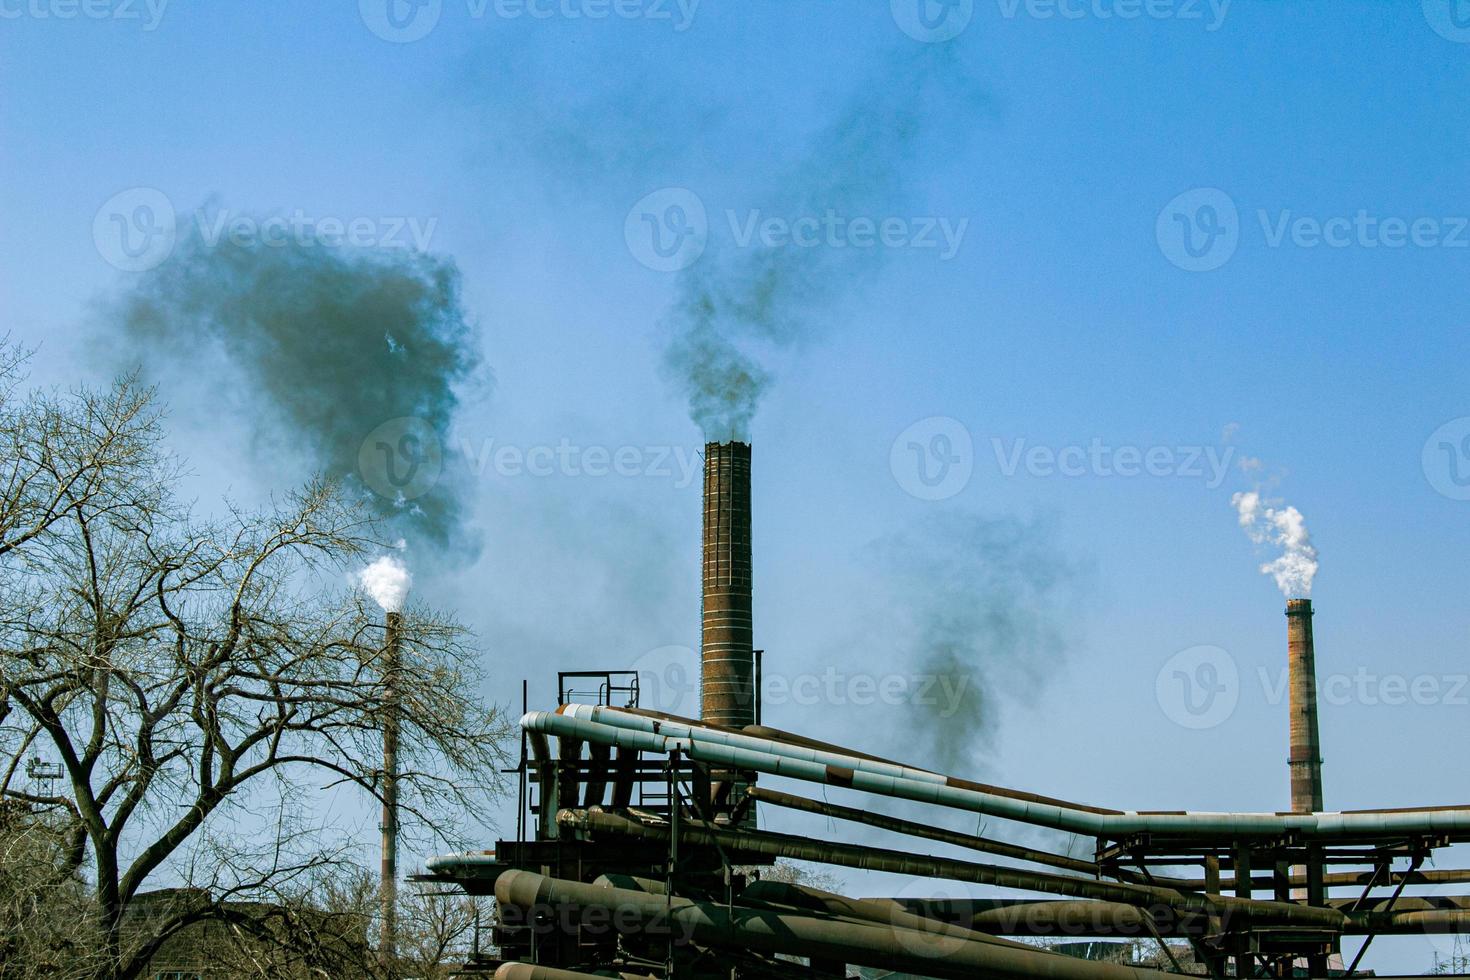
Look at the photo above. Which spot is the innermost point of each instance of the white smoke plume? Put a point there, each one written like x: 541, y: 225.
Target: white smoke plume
x: 1270, y: 525
x: 387, y: 580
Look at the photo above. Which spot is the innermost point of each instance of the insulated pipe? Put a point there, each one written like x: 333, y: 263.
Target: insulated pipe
x: 925, y: 831
x: 886, y: 779
x: 758, y: 738
x: 818, y: 937
x: 905, y: 863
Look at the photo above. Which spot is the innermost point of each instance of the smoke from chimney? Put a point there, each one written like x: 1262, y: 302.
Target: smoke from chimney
x: 743, y: 303
x: 982, y: 609
x: 325, y: 342
x: 1270, y: 525
x: 387, y: 580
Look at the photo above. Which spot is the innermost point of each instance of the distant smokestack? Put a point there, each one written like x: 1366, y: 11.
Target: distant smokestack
x: 727, y: 644
x: 388, y: 941
x: 1305, y: 761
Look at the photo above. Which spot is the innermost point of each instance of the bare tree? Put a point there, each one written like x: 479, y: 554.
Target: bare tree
x: 201, y: 681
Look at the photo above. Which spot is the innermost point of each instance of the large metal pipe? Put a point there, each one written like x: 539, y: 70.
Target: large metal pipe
x: 526, y: 971
x: 727, y: 640
x: 925, y: 831
x: 800, y: 898
x: 1067, y: 917
x: 820, y: 937
x: 731, y: 750
x: 867, y: 858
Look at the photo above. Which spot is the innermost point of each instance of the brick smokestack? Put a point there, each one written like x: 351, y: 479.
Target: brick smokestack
x: 1305, y: 761
x: 727, y: 647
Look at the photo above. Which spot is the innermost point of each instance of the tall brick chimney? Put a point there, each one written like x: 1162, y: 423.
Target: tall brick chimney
x: 727, y: 646
x: 1305, y: 760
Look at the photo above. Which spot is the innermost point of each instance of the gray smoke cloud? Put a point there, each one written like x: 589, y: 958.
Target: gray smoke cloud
x: 978, y: 605
x: 352, y: 357
x: 741, y: 303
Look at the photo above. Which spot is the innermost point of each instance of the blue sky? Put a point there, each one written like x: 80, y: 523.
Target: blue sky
x: 521, y: 144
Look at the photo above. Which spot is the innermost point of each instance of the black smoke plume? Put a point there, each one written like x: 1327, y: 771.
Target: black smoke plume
x: 979, y: 606
x: 738, y: 305
x: 324, y: 345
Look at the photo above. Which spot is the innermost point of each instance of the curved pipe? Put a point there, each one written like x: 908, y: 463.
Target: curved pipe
x: 731, y: 750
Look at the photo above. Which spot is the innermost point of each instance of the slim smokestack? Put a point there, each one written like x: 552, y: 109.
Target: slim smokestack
x: 388, y: 940
x: 727, y: 644
x: 1305, y: 761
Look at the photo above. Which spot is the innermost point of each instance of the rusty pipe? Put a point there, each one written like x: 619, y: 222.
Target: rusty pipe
x: 774, y: 845
x: 925, y: 831
x: 819, y: 937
